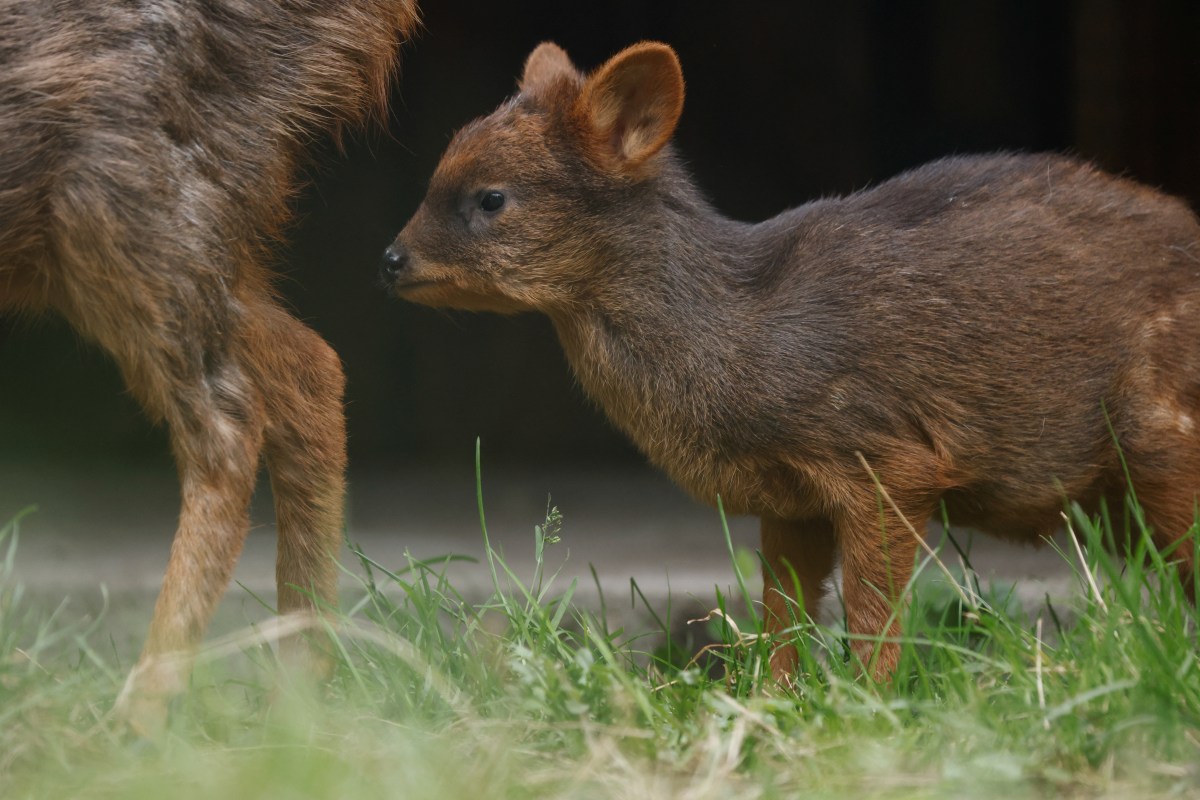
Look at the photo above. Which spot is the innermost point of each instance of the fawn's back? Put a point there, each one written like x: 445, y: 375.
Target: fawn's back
x: 989, y: 309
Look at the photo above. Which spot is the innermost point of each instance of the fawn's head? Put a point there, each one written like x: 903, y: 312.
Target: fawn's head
x: 531, y: 202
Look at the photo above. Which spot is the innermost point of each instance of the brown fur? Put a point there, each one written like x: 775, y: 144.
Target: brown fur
x: 149, y: 154
x: 964, y: 326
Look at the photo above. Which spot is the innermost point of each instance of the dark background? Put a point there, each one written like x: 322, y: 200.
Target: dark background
x: 787, y: 101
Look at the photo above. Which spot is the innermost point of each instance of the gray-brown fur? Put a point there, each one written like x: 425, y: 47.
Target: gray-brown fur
x: 149, y: 153
x: 963, y: 326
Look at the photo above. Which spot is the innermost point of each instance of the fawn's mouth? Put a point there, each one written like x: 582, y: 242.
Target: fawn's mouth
x: 436, y: 292
x: 410, y: 285
x: 407, y: 287
x: 450, y: 293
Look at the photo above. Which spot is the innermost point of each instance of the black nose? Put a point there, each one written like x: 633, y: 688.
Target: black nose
x: 395, y: 262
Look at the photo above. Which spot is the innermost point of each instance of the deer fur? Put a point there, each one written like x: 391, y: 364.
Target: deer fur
x: 150, y: 153
x: 966, y: 327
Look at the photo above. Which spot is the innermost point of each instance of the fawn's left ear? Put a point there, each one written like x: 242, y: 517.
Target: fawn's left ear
x: 631, y: 105
x: 545, y: 64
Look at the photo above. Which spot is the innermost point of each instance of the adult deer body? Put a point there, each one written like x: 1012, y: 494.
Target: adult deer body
x: 149, y: 153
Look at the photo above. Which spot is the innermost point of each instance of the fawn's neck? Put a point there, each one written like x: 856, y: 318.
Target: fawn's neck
x: 657, y: 341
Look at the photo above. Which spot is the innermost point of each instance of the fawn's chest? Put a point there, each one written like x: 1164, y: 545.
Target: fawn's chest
x: 713, y: 445
x: 697, y: 409
x: 758, y: 484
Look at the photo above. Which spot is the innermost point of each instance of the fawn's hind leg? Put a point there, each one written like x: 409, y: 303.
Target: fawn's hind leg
x: 300, y: 378
x: 1167, y: 486
x: 808, y: 549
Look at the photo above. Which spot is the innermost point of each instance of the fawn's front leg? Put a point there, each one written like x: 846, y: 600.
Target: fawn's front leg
x: 877, y: 552
x: 808, y: 549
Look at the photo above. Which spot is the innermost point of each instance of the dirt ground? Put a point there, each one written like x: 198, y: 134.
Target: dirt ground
x: 100, y: 538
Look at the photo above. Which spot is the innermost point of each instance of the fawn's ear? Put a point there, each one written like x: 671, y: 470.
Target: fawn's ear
x: 547, y: 62
x: 632, y: 104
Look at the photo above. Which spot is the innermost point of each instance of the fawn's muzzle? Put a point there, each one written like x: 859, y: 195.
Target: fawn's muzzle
x: 394, y: 265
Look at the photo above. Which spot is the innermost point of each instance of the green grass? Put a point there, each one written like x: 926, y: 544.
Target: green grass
x: 531, y: 695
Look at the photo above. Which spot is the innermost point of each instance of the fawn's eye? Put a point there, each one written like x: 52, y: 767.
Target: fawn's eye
x: 491, y: 201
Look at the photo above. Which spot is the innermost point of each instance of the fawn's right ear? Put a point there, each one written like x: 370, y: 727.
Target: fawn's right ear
x: 547, y: 62
x: 630, y: 106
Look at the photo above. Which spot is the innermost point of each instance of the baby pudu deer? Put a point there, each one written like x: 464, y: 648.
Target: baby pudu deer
x: 148, y: 157
x: 964, y: 329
